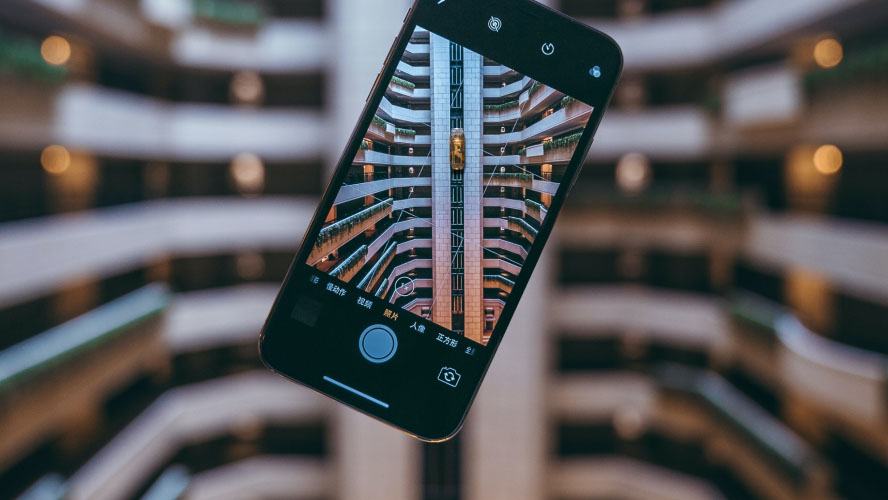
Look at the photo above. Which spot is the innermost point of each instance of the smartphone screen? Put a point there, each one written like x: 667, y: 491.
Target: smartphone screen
x: 429, y: 231
x: 454, y: 178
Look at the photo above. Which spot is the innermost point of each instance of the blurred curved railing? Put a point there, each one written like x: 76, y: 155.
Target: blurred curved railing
x: 738, y: 412
x: 50, y: 377
x: 707, y: 392
x: 189, y: 414
x: 48, y: 487
x: 193, y: 413
x: 626, y: 478
x: 702, y: 36
x: 256, y: 477
x: 263, y: 477
x: 843, y: 381
x: 51, y: 349
x: 171, y: 485
x: 40, y: 255
x: 698, y: 405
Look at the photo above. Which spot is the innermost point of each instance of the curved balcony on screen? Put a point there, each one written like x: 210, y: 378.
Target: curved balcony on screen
x: 377, y: 158
x: 533, y: 99
x: 497, y: 282
x: 521, y: 180
x: 340, y: 232
x: 496, y: 71
x: 564, y: 120
x: 409, y: 70
x: 499, y: 263
x: 508, y: 90
x: 417, y: 49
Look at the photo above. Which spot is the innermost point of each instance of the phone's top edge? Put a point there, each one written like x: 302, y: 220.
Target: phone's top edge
x: 577, y: 22
x: 538, y: 22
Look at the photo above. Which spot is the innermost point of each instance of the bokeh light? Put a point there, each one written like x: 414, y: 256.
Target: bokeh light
x: 828, y: 53
x: 628, y: 422
x: 55, y: 50
x: 247, y: 87
x: 828, y: 159
x: 250, y: 265
x: 55, y: 159
x: 633, y: 172
x: 248, y: 173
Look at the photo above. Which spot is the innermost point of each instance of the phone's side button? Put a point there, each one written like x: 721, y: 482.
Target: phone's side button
x: 372, y: 87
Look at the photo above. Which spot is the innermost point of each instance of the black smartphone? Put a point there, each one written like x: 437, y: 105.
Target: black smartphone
x: 472, y: 136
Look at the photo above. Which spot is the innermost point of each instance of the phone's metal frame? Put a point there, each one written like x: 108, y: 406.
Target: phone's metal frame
x: 577, y: 39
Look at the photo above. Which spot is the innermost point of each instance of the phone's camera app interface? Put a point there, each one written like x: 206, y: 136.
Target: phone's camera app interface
x: 452, y: 182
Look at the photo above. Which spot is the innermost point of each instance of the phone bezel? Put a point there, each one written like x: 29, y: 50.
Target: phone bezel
x: 523, y: 23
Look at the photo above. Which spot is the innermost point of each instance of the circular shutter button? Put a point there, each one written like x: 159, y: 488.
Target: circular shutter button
x: 378, y: 343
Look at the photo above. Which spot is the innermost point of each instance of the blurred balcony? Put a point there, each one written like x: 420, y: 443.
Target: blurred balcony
x: 113, y: 123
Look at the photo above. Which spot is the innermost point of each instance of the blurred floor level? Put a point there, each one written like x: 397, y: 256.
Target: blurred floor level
x: 632, y: 407
x: 40, y: 255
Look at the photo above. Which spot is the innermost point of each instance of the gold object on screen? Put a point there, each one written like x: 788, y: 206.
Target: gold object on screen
x: 457, y: 149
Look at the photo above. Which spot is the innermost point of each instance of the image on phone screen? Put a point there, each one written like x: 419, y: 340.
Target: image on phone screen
x: 453, y: 179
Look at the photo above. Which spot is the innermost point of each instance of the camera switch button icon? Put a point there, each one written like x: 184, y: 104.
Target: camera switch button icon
x: 449, y: 376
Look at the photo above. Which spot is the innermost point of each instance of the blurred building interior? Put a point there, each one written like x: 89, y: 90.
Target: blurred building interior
x: 709, y: 320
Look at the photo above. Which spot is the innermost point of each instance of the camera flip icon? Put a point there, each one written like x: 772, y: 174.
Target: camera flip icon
x: 448, y: 376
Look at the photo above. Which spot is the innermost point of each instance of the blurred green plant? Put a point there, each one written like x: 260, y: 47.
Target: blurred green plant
x: 869, y: 64
x: 229, y: 12
x: 20, y: 56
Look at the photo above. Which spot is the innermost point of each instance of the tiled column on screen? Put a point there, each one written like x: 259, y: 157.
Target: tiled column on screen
x: 472, y: 103
x: 439, y: 54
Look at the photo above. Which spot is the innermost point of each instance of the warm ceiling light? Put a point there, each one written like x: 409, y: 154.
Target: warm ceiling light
x: 55, y: 50
x: 828, y: 53
x: 248, y: 172
x: 828, y: 159
x: 250, y: 265
x: 628, y: 423
x: 55, y: 159
x: 631, y: 8
x: 247, y: 87
x: 633, y: 172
